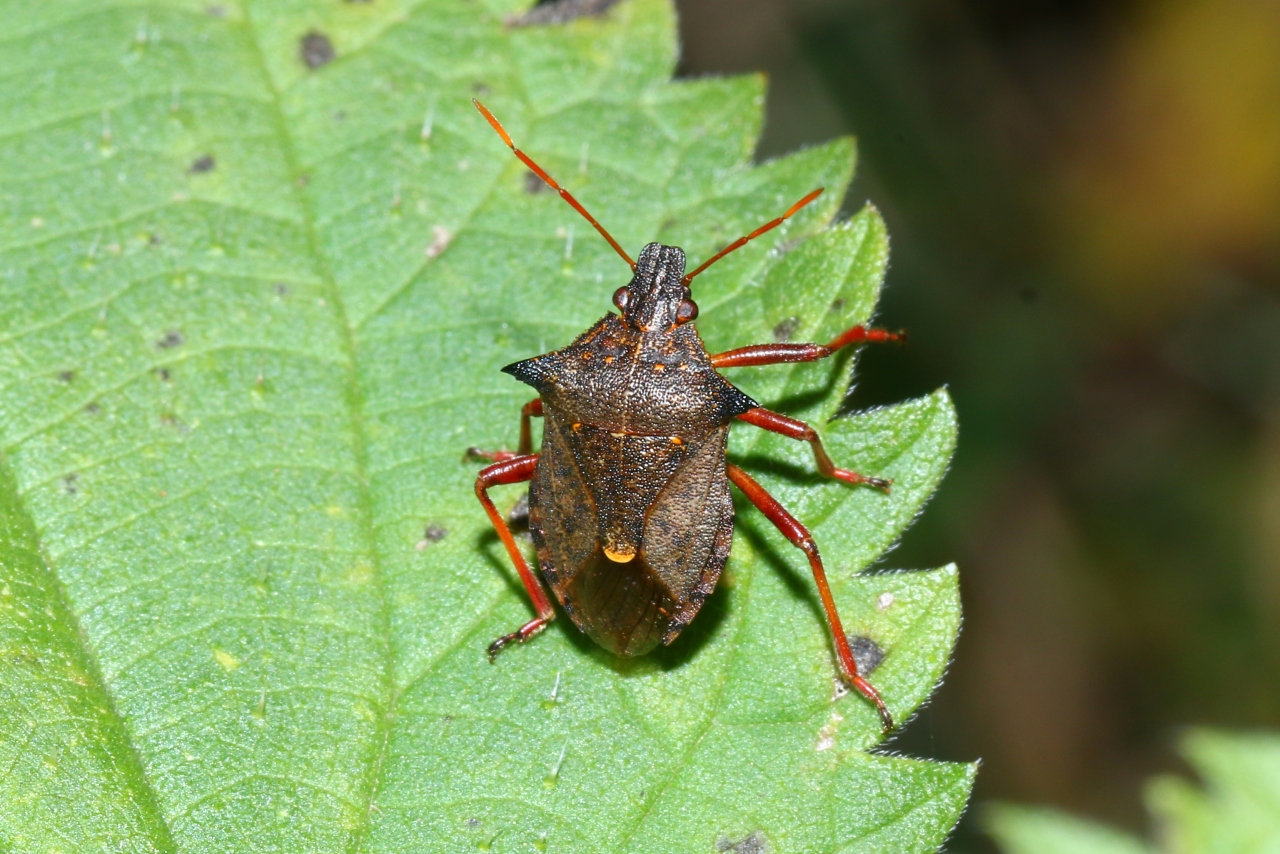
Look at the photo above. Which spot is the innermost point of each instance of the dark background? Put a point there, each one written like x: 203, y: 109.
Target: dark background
x: 1084, y: 201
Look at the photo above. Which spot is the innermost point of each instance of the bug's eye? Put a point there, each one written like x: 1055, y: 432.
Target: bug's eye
x: 620, y: 298
x: 687, y: 311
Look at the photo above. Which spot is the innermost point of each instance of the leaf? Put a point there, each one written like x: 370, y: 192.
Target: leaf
x: 1236, y: 811
x: 1024, y: 830
x: 259, y: 266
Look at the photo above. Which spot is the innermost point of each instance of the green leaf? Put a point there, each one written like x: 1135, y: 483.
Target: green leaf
x: 1236, y: 811
x: 259, y: 266
x: 1238, y: 808
x: 1023, y: 830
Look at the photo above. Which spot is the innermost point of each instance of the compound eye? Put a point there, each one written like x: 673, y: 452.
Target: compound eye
x: 687, y: 311
x: 620, y: 298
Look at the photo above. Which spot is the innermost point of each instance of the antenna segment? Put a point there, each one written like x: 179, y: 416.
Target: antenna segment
x: 747, y: 238
x: 551, y: 182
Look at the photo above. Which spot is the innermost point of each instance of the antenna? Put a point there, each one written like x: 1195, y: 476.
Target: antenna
x: 551, y: 182
x: 742, y: 241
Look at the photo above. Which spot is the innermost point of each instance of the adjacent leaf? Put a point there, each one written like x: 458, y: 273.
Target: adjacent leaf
x: 1024, y: 830
x: 259, y: 266
x: 1238, y: 808
x: 1236, y: 811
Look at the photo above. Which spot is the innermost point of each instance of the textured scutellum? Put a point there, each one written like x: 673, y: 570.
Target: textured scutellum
x: 259, y: 266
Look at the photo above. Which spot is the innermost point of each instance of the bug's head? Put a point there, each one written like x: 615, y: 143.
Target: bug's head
x: 657, y: 299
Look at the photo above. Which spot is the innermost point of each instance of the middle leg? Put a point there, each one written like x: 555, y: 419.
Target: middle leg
x: 774, y: 422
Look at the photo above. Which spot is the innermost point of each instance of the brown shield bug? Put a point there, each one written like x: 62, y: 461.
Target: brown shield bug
x: 629, y: 501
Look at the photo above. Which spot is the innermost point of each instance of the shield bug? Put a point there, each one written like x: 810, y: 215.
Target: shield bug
x: 629, y: 502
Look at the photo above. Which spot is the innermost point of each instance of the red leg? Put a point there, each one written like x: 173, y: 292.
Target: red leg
x: 801, y: 538
x: 516, y: 470
x: 793, y: 429
x: 772, y: 354
x: 529, y: 410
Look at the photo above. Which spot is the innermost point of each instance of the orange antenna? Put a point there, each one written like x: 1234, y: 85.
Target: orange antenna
x: 745, y: 239
x: 551, y: 182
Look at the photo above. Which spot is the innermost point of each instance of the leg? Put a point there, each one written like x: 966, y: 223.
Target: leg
x: 772, y: 354
x: 793, y: 429
x: 514, y: 470
x: 529, y: 410
x: 801, y: 539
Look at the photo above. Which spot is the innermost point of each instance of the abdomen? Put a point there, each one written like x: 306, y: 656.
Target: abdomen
x: 632, y: 532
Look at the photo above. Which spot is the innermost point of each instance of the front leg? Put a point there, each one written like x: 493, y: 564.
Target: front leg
x: 532, y: 409
x: 791, y: 428
x: 772, y: 354
x: 515, y: 470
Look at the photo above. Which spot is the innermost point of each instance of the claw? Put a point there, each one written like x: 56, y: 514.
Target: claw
x: 520, y: 635
x: 865, y: 689
x: 879, y: 483
x: 474, y: 453
x: 854, y: 479
x: 500, y: 644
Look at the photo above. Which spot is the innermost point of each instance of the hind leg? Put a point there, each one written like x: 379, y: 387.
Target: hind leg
x: 801, y: 538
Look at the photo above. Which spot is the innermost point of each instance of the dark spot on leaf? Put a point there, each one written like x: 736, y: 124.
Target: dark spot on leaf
x: 202, y: 165
x: 433, y: 533
x: 172, y: 338
x: 22, y: 658
x: 533, y: 184
x: 753, y: 844
x: 303, y: 180
x: 867, y: 654
x: 784, y: 330
x: 340, y: 116
x: 281, y: 289
x: 69, y: 483
x: 92, y: 408
x: 480, y: 87
x: 173, y: 422
x: 154, y: 239
x: 216, y: 11
x: 837, y: 304
x: 66, y: 376
x: 560, y: 12
x: 316, y: 50
x: 162, y: 374
x: 472, y: 822
x: 1028, y: 295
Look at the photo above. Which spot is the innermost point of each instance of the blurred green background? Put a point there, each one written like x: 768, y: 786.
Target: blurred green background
x: 1084, y: 199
